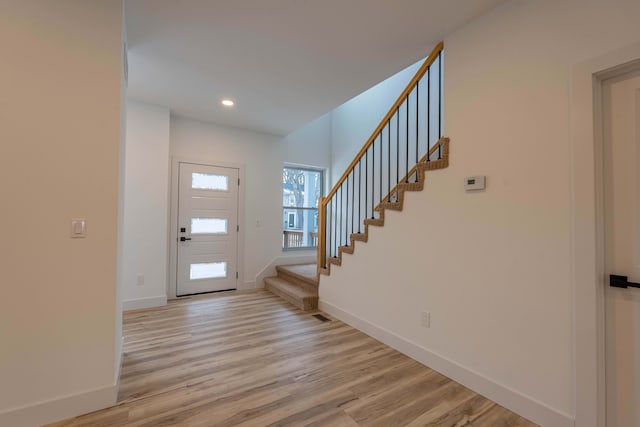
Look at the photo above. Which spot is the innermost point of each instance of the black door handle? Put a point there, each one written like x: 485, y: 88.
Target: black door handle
x: 182, y: 239
x: 616, y: 281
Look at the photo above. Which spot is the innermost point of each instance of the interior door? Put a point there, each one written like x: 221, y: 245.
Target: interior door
x: 207, y: 229
x: 621, y: 125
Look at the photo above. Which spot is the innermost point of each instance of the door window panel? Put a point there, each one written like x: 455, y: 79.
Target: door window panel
x: 208, y: 226
x: 208, y: 270
x: 206, y: 181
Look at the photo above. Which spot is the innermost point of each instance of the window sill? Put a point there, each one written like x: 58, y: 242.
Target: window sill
x: 304, y: 248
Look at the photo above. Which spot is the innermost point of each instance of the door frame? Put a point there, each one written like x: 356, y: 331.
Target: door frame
x: 173, y: 220
x: 587, y: 229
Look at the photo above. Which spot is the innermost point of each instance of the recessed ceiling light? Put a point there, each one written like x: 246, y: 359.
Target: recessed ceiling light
x: 228, y: 103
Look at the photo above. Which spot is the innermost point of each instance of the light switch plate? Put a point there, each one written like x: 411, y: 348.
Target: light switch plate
x: 78, y: 228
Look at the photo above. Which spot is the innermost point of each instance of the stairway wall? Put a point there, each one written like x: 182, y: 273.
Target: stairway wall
x: 353, y: 121
x: 493, y: 268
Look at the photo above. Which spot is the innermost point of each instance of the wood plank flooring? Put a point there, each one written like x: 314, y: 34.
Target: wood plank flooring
x: 251, y: 359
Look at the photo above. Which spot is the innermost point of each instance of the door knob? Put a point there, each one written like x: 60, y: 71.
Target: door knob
x: 182, y: 239
x: 617, y: 281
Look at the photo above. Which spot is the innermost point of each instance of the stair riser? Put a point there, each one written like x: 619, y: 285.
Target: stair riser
x: 306, y: 284
x: 305, y: 304
x: 303, y: 285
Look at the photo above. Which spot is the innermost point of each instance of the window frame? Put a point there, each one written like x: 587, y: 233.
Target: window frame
x: 321, y: 182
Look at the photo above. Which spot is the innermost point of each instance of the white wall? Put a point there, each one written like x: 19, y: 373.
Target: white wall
x: 60, y: 133
x: 493, y: 268
x: 262, y: 156
x: 353, y: 122
x: 311, y: 144
x: 146, y: 206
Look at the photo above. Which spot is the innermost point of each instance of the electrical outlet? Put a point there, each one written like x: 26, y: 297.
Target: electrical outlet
x: 140, y: 280
x: 425, y: 319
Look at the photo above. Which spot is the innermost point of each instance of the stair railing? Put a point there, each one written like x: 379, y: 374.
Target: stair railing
x: 409, y: 133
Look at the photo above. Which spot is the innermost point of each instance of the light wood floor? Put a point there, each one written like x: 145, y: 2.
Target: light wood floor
x: 253, y: 360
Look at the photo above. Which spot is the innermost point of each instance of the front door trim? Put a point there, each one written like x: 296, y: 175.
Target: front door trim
x: 173, y: 221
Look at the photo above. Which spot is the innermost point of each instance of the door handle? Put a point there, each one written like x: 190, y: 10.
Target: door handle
x: 182, y: 239
x: 616, y: 281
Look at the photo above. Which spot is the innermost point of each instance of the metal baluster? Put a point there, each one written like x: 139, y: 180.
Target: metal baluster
x: 336, y: 220
x: 380, y: 194
x: 417, y: 122
x: 398, y: 146
x: 335, y: 227
x: 366, y: 182
x: 373, y: 178
x: 346, y: 231
x: 360, y: 217
x: 440, y: 105
x: 336, y: 235
x: 428, y: 113
x: 389, y: 160
x: 346, y: 217
x: 328, y: 229
x: 353, y: 197
x: 340, y: 213
x: 343, y: 217
x: 407, y: 133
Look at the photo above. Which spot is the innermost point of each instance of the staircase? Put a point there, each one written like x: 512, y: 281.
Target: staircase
x: 297, y: 284
x: 406, y: 144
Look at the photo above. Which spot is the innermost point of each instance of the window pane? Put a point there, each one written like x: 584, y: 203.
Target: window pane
x: 301, y: 187
x: 300, y: 228
x: 209, y: 270
x: 207, y: 181
x: 208, y: 226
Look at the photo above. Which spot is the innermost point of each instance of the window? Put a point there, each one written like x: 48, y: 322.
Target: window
x: 301, y: 189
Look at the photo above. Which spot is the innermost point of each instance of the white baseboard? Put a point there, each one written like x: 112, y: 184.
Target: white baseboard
x: 511, y: 399
x: 119, y: 363
x: 148, y: 302
x: 58, y: 409
x: 245, y: 286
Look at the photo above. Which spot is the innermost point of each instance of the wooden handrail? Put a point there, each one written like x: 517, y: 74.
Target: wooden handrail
x: 419, y: 74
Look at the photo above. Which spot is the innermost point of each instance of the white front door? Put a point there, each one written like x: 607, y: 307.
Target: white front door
x: 621, y: 126
x: 207, y: 229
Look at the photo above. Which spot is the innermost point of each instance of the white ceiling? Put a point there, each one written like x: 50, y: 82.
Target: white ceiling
x: 284, y: 62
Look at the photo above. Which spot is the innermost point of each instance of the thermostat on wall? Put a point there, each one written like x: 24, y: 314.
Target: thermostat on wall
x: 474, y: 183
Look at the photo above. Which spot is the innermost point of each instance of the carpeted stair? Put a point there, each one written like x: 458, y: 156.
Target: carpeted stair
x: 298, y: 284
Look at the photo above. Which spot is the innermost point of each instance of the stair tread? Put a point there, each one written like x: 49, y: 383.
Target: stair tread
x: 307, y: 273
